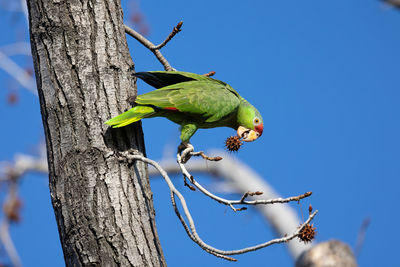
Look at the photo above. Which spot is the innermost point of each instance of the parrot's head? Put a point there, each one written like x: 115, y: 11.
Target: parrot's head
x: 250, y: 122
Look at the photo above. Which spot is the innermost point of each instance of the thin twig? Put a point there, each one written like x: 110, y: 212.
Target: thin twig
x: 175, y: 30
x: 23, y: 164
x: 11, y: 210
x: 192, y: 230
x: 248, y: 193
x: 10, y: 173
x: 361, y: 236
x: 230, y: 203
x: 282, y: 218
x: 186, y: 151
x: 204, y: 156
x: 185, y: 183
x: 190, y: 227
x: 8, y: 243
x: 24, y: 9
x: 273, y: 241
x: 153, y: 48
x: 394, y: 3
x: 211, y: 73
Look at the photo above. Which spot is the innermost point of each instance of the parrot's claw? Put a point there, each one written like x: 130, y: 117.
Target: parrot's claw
x: 185, y: 149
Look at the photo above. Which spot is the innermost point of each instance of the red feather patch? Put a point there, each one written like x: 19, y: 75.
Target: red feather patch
x: 171, y: 108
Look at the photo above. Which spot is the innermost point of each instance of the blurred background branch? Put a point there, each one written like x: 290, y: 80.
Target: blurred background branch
x: 394, y: 3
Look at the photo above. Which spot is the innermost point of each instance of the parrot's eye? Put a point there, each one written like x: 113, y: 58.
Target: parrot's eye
x: 256, y: 121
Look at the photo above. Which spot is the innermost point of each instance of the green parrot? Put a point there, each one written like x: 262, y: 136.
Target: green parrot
x: 193, y: 101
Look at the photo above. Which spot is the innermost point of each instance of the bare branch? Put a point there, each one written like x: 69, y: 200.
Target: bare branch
x: 282, y: 218
x: 361, y: 236
x: 23, y: 164
x: 274, y: 241
x: 230, y: 203
x: 186, y: 151
x: 11, y: 209
x: 204, y: 156
x: 24, y: 9
x: 248, y: 193
x: 190, y: 227
x: 394, y: 3
x: 175, y: 30
x: 8, y: 243
x: 10, y: 174
x: 155, y: 49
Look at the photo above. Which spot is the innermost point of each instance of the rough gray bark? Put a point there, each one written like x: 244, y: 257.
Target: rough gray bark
x: 103, y: 206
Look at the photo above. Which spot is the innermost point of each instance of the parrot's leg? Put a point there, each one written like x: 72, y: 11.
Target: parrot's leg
x: 187, y: 130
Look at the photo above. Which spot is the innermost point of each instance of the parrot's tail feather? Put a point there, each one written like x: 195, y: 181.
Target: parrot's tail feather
x: 134, y: 114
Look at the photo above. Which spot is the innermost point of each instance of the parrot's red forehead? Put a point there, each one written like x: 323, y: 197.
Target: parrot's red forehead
x: 259, y: 128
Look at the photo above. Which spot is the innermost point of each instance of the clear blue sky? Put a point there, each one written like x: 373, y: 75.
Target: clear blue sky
x: 324, y: 75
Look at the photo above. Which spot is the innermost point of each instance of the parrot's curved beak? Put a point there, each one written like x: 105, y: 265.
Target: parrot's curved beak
x: 247, y: 135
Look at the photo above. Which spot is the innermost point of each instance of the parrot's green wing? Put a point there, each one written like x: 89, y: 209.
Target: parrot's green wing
x: 202, y: 100
x: 159, y: 79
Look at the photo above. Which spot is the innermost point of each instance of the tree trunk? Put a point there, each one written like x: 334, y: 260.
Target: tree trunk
x: 103, y: 205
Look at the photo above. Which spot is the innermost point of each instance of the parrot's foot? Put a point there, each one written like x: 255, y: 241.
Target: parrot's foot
x: 185, y: 149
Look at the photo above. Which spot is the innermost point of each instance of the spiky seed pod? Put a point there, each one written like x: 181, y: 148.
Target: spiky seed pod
x: 307, y: 234
x: 233, y: 143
